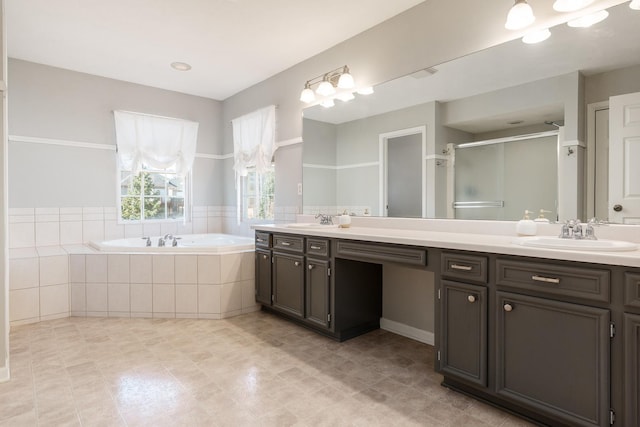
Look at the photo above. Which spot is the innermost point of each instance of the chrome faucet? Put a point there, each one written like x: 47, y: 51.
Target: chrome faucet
x: 148, y: 241
x: 574, y: 229
x: 325, y: 219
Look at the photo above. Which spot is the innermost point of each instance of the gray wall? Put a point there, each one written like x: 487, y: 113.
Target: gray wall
x: 600, y: 87
x: 4, y: 276
x: 53, y: 103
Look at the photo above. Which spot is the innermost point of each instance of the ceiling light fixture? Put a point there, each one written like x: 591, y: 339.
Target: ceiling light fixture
x: 589, y: 20
x: 327, y: 83
x: 635, y: 4
x: 537, y: 36
x: 180, y: 66
x: 570, y: 5
x: 519, y: 16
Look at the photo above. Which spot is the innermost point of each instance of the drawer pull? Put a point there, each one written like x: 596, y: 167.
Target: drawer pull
x: 508, y: 307
x: 260, y: 240
x: 545, y: 279
x: 297, y: 263
x: 471, y: 298
x: 310, y: 266
x: 285, y: 243
x: 315, y: 248
x: 461, y: 267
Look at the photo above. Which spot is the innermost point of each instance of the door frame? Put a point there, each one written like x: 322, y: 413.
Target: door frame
x: 383, y: 142
x: 592, y: 109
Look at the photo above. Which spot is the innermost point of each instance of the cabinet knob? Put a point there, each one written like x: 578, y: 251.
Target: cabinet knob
x: 508, y: 307
x: 310, y: 266
x: 264, y: 257
x: 471, y: 298
x: 297, y: 263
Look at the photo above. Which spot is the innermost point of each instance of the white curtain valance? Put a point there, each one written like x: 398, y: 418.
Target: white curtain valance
x: 160, y: 143
x: 254, y: 140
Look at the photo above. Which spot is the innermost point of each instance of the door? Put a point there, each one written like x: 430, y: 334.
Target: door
x: 464, y: 331
x: 404, y: 175
x: 541, y: 342
x: 624, y: 159
x: 317, y: 292
x: 263, y: 276
x: 632, y: 368
x: 288, y: 283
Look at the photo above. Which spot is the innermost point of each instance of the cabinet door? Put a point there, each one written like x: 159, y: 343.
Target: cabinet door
x: 632, y: 369
x: 463, y: 352
x: 317, y: 292
x: 263, y: 276
x: 288, y: 283
x: 553, y: 357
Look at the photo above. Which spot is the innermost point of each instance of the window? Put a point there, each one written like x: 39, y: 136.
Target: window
x: 257, y: 191
x: 152, y: 195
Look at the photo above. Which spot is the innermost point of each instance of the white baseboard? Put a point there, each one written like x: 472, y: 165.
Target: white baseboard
x: 407, y: 331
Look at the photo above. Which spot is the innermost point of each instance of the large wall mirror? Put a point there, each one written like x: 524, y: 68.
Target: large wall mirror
x: 485, y: 136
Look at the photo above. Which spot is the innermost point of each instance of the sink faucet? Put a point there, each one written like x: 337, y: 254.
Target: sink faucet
x: 573, y: 229
x: 325, y: 219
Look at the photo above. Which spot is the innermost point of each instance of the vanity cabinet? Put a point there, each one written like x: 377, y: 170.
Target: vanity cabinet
x: 317, y: 283
x: 263, y: 276
x: 632, y: 368
x: 288, y: 275
x: 553, y: 358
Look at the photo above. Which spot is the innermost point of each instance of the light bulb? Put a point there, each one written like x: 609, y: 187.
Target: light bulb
x: 345, y: 96
x: 325, y: 88
x: 589, y: 20
x: 365, y: 90
x: 346, y: 80
x: 328, y: 103
x: 537, y: 37
x: 635, y: 4
x: 520, y: 16
x: 570, y: 5
x: 307, y: 94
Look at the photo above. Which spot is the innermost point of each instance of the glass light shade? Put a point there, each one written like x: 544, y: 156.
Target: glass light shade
x: 365, y: 90
x: 520, y: 16
x: 346, y: 81
x: 537, y: 37
x: 327, y: 103
x: 635, y: 4
x: 346, y: 96
x: 307, y: 95
x: 589, y: 20
x: 570, y: 5
x: 325, y: 88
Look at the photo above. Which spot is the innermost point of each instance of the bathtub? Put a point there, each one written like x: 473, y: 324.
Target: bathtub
x: 188, y: 243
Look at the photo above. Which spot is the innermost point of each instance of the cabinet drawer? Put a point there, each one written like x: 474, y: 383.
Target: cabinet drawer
x: 288, y: 243
x: 632, y: 289
x: 466, y: 267
x: 585, y: 283
x: 318, y: 247
x: 378, y: 252
x: 263, y: 240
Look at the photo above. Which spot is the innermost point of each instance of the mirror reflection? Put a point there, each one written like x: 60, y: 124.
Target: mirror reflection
x: 485, y: 136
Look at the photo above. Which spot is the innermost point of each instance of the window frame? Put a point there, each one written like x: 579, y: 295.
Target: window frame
x: 188, y: 191
x: 242, y: 205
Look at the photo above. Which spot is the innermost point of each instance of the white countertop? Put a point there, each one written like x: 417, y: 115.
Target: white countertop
x: 498, y: 244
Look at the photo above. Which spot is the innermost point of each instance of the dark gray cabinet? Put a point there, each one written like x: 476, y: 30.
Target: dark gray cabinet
x: 288, y: 283
x: 263, y: 276
x: 463, y: 348
x: 553, y: 358
x: 317, y: 298
x: 632, y: 368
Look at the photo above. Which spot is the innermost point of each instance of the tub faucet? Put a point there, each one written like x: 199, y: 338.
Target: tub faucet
x: 148, y: 241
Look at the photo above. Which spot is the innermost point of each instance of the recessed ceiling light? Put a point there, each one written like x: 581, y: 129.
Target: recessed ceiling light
x: 180, y: 66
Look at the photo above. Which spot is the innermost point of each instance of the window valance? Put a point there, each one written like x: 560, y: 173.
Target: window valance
x: 254, y: 140
x: 161, y: 143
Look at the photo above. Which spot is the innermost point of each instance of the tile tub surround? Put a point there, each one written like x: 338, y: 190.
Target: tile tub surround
x: 52, y: 282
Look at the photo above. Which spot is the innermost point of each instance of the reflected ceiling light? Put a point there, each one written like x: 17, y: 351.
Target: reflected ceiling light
x: 327, y: 83
x: 635, y: 4
x: 346, y: 96
x: 589, y: 20
x: 180, y: 66
x: 570, y: 5
x: 537, y: 36
x: 520, y: 16
x: 328, y: 103
x: 365, y: 90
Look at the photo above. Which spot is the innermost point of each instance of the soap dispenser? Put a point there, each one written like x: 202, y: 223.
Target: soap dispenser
x: 541, y: 218
x: 345, y: 220
x: 526, y: 227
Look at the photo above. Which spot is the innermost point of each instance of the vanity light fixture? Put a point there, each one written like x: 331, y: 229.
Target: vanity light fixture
x: 345, y: 96
x: 365, y: 90
x: 520, y: 16
x: 327, y: 83
x: 635, y: 4
x: 589, y: 20
x: 536, y: 36
x: 180, y: 66
x: 328, y: 103
x: 570, y: 5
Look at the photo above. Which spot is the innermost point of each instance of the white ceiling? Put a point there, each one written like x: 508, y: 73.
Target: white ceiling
x: 231, y: 44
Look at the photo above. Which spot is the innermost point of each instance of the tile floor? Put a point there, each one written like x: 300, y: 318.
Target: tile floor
x: 253, y: 370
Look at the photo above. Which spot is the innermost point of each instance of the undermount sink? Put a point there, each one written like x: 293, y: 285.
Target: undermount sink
x: 550, y: 242
x: 311, y: 225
